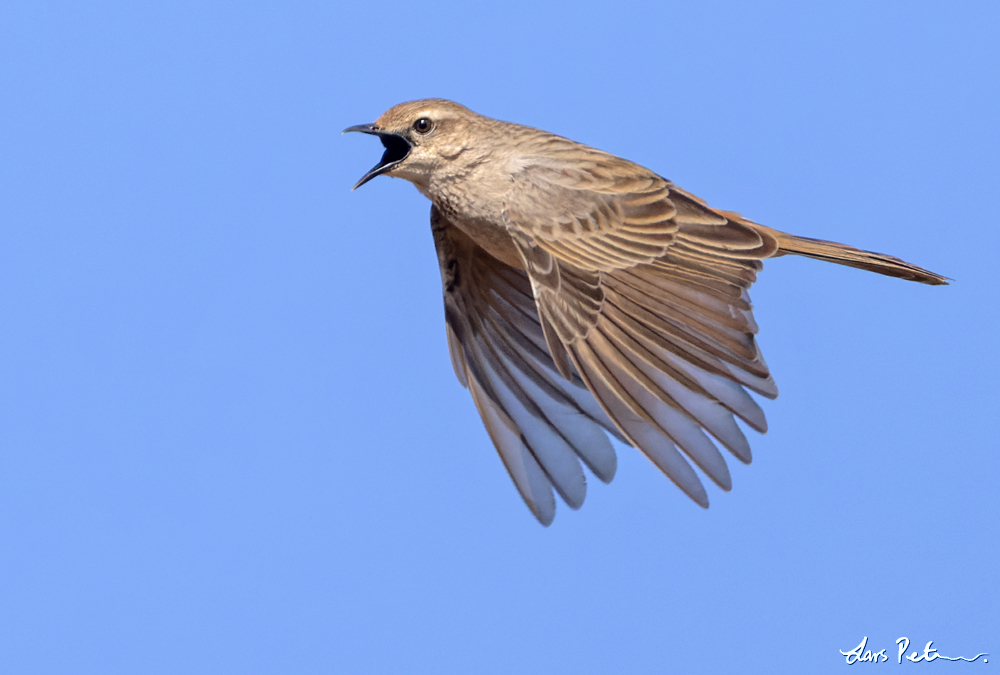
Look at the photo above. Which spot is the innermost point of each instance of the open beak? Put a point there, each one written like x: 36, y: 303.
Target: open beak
x: 396, y: 150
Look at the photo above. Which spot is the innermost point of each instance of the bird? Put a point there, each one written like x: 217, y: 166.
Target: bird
x: 587, y: 297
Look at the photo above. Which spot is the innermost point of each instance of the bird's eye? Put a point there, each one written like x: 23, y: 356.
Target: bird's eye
x: 423, y: 125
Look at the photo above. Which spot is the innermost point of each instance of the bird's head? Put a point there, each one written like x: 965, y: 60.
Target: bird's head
x: 418, y: 137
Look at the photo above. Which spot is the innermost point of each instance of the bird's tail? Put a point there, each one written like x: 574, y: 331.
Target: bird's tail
x: 850, y: 256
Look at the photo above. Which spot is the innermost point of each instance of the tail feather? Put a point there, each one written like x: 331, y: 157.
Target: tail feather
x: 852, y: 257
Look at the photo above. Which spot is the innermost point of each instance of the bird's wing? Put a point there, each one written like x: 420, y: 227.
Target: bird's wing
x: 541, y: 423
x: 599, y: 212
x: 642, y: 289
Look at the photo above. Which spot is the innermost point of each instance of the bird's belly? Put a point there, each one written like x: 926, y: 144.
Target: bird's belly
x: 493, y: 238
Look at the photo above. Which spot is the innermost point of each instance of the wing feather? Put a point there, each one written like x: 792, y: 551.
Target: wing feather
x: 644, y: 287
x: 635, y: 422
x: 541, y: 423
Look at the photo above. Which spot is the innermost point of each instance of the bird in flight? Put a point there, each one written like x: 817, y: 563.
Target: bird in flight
x: 586, y: 294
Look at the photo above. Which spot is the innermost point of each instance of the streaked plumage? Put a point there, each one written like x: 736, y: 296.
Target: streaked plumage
x: 584, y: 293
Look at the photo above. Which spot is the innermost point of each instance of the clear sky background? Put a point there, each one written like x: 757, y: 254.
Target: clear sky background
x: 231, y: 440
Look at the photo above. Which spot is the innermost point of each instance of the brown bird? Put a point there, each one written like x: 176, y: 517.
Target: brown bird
x: 584, y: 293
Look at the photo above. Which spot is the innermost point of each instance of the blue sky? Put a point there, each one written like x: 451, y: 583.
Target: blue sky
x: 230, y: 436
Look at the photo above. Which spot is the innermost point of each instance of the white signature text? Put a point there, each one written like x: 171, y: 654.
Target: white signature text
x: 862, y: 655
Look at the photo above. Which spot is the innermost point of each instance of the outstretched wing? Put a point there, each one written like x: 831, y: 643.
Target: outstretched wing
x: 541, y: 423
x: 642, y: 289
